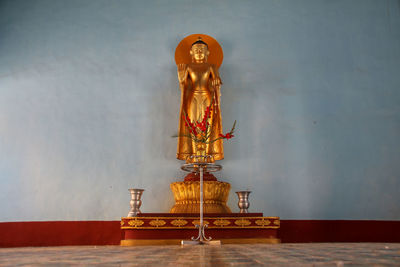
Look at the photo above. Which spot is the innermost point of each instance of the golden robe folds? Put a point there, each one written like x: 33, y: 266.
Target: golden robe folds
x: 199, y: 84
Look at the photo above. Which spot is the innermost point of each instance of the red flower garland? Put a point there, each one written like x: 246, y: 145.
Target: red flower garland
x: 199, y: 129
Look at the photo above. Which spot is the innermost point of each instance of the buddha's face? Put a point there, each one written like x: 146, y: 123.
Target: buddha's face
x: 199, y: 53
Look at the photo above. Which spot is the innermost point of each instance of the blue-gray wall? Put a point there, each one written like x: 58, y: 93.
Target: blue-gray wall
x: 89, y: 100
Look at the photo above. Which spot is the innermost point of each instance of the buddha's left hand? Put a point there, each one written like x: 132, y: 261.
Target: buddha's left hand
x: 216, y: 83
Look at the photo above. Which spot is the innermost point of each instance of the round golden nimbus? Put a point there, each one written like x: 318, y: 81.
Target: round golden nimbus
x: 182, y: 51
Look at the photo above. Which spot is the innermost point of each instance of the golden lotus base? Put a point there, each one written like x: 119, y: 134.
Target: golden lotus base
x: 187, y: 197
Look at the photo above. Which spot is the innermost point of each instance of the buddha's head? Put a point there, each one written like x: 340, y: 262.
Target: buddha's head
x: 199, y: 51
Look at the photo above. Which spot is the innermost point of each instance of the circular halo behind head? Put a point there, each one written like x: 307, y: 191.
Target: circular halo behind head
x: 182, y: 52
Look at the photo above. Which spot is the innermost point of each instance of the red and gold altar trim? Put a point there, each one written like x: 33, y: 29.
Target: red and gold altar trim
x: 191, y: 222
x: 171, y: 228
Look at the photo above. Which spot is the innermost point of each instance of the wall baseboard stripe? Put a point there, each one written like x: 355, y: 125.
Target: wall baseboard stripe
x: 59, y: 233
x: 80, y: 233
x: 302, y: 231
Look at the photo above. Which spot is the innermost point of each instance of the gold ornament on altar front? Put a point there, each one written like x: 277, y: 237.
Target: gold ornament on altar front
x: 157, y: 223
x: 242, y: 222
x: 179, y: 222
x: 263, y: 222
x: 135, y: 223
x: 222, y: 222
x: 197, y: 222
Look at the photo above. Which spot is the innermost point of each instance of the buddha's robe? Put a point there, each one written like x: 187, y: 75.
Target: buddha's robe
x: 197, y: 93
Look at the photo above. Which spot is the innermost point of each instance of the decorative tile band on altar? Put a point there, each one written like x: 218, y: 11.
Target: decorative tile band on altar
x: 191, y: 222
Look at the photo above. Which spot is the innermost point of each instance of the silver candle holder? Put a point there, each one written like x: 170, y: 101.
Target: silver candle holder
x: 243, y: 203
x: 135, y: 202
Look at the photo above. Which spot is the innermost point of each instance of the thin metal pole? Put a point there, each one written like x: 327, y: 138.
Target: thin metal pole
x: 201, y: 239
x: 201, y: 203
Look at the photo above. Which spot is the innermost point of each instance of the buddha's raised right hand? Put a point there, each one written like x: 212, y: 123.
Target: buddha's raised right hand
x: 182, y: 73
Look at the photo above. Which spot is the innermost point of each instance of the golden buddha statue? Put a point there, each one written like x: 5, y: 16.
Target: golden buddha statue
x: 200, y: 84
x: 198, y: 58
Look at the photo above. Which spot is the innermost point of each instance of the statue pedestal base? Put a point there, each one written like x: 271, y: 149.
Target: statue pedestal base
x: 194, y: 243
x: 171, y: 229
x: 187, y: 197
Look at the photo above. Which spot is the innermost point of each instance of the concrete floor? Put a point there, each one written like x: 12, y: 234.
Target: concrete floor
x: 315, y: 254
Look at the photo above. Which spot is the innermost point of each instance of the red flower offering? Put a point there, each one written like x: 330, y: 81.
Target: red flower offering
x: 200, y: 130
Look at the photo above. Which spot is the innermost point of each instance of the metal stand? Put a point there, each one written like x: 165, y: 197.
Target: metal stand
x: 199, y: 167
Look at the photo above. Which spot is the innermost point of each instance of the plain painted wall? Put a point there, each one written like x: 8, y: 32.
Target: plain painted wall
x: 89, y: 101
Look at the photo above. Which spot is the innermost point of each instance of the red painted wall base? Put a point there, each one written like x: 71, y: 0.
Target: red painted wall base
x: 75, y: 233
x: 59, y: 233
x: 300, y: 231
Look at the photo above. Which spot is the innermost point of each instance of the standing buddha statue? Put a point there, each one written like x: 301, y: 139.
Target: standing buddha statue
x: 200, y: 84
x: 198, y: 57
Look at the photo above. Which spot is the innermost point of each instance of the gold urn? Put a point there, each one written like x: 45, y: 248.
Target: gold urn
x: 187, y: 197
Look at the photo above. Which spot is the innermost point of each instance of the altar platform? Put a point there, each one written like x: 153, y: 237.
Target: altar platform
x: 171, y: 228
